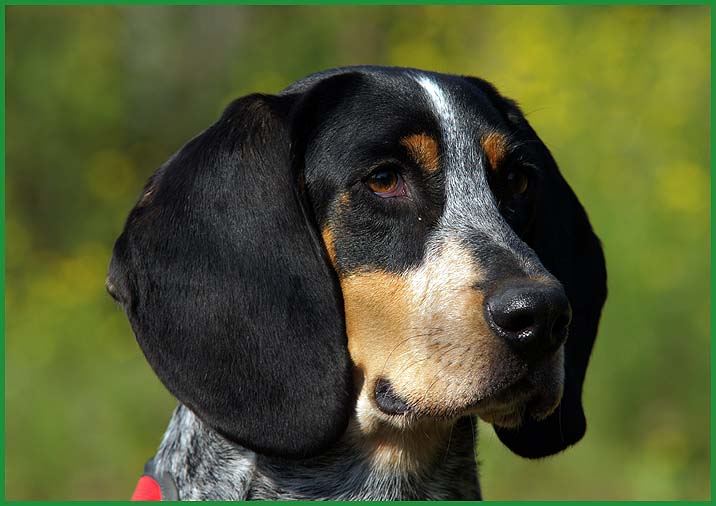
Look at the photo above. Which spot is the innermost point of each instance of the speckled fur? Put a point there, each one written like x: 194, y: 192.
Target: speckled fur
x: 206, y: 466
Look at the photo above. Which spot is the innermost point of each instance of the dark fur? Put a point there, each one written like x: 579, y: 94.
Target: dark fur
x: 228, y: 287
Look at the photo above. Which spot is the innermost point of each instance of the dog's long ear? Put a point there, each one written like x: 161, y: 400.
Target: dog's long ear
x: 563, y: 239
x: 226, y: 285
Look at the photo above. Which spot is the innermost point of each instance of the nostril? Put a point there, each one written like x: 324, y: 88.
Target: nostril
x: 515, y: 320
x: 560, y: 327
x: 560, y: 324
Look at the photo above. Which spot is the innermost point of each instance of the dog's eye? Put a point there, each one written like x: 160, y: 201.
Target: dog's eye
x: 386, y: 182
x: 517, y: 182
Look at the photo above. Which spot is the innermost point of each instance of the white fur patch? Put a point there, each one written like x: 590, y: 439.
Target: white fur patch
x: 469, y: 204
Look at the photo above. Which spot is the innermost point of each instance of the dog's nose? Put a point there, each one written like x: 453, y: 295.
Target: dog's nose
x: 532, y: 317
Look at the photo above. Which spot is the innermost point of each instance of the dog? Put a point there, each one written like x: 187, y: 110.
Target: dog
x: 336, y: 280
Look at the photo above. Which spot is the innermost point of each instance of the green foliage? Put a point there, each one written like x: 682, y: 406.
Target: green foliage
x: 98, y: 97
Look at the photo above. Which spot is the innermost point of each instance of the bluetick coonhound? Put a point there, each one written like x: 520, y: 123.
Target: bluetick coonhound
x: 335, y: 280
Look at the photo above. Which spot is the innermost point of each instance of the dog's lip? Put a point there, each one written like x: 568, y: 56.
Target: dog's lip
x: 519, y: 390
x: 388, y: 401
x: 505, y: 399
x: 513, y: 403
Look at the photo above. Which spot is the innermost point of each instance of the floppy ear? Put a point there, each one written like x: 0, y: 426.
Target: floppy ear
x: 563, y: 239
x: 228, y: 290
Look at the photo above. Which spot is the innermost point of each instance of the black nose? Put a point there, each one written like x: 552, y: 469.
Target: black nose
x: 532, y: 317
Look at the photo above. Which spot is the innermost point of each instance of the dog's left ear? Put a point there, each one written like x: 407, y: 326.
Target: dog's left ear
x: 563, y: 239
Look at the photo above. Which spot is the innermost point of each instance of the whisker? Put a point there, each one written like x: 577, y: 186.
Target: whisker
x: 447, y: 450
x: 403, y: 341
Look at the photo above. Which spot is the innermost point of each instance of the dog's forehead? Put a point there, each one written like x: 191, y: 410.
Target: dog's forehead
x: 381, y: 107
x: 372, y: 95
x: 411, y: 92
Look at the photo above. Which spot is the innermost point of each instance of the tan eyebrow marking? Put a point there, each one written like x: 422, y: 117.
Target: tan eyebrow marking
x: 424, y: 150
x: 344, y: 200
x: 327, y: 235
x: 495, y: 146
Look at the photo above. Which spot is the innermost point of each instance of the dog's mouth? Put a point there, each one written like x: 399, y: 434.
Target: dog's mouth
x: 506, y: 401
x: 510, y: 405
x: 506, y: 406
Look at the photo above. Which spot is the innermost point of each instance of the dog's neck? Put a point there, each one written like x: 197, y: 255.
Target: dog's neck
x: 429, y: 463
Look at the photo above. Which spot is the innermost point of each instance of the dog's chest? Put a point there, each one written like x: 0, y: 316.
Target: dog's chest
x: 207, y: 467
x: 344, y: 476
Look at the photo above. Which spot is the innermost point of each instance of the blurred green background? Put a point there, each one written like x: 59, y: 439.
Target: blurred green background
x: 98, y: 97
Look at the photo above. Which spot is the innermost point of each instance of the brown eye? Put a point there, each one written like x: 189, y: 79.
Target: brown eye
x: 386, y: 182
x: 517, y: 182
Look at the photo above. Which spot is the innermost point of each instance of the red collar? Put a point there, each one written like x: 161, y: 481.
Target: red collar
x: 148, y: 489
x: 154, y: 486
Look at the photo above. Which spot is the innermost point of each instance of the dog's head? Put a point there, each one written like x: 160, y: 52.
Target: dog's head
x: 391, y: 239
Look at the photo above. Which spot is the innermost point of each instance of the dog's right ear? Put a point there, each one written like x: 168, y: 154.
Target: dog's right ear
x: 562, y: 236
x: 226, y: 284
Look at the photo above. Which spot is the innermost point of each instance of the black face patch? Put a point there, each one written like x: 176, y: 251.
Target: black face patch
x: 366, y: 132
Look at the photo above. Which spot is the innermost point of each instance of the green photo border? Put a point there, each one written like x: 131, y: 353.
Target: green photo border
x: 712, y: 241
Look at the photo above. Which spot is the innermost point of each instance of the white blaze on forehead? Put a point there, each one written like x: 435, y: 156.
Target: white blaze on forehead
x: 441, y: 103
x: 469, y: 204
